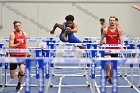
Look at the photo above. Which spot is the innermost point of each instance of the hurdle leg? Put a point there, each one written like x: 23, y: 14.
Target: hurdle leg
x: 120, y: 69
x: 125, y: 75
x: 41, y: 75
x: 53, y: 69
x: 27, y: 89
x: 103, y: 89
x: 6, y: 67
x: 102, y: 80
x: 51, y: 76
x: 88, y: 76
x: 1, y: 81
x: 47, y: 85
x: 120, y: 55
x: 92, y: 71
x: 139, y: 76
x: 115, y: 81
x: 1, y: 75
x: 131, y: 65
x: 84, y: 67
x: 93, y: 86
x: 48, y: 77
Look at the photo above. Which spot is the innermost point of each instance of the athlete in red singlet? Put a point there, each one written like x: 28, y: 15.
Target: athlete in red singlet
x: 113, y: 36
x: 17, y: 41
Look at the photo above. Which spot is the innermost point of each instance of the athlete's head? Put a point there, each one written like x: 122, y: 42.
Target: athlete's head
x: 112, y: 21
x: 17, y: 26
x: 102, y: 21
x: 117, y: 21
x: 69, y: 20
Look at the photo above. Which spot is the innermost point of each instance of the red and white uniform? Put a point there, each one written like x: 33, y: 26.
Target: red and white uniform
x: 112, y: 38
x: 17, y: 39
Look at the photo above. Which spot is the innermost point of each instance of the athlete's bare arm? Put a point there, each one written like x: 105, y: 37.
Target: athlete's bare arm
x: 136, y: 7
x: 26, y: 37
x: 28, y: 54
x: 55, y: 26
x: 75, y: 29
x: 103, y: 36
x: 120, y: 36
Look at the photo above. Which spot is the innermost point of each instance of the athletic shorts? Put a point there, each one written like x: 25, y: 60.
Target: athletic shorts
x: 13, y: 66
x: 112, y: 54
x: 71, y: 39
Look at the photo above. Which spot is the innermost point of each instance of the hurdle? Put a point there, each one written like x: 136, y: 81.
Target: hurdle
x: 29, y: 39
x: 131, y: 55
x: 138, y: 46
x: 1, y: 54
x: 93, y: 53
x: 93, y: 74
x: 27, y: 62
x: 128, y: 46
x: 131, y: 67
x: 115, y: 45
x: 47, y: 54
x: 114, y: 86
x: 114, y: 61
x: 41, y: 70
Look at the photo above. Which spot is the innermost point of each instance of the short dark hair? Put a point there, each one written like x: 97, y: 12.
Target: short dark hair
x: 69, y: 18
x: 116, y: 19
x: 16, y: 22
x: 102, y: 20
x: 112, y: 17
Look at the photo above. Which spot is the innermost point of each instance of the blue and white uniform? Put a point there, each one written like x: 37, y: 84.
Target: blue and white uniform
x: 71, y: 37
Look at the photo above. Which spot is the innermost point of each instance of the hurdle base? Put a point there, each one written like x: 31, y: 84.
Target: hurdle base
x: 120, y: 75
x: 14, y: 85
x: 71, y: 85
x: 139, y: 86
x: 110, y: 86
x: 70, y: 75
x: 131, y: 86
x: 88, y: 85
x: 51, y: 86
x: 125, y: 75
x: 1, y: 85
x: 53, y: 75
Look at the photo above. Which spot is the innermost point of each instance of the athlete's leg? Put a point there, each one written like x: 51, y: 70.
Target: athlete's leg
x: 76, y: 40
x: 13, y: 72
x: 21, y: 74
x: 109, y: 70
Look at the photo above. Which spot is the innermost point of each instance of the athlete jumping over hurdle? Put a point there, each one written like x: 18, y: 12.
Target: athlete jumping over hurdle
x: 18, y: 41
x: 113, y: 36
x: 68, y: 30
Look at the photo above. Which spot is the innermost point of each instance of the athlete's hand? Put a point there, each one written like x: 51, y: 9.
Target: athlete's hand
x: 29, y: 55
x: 101, y: 47
x: 52, y: 32
x: 135, y: 6
x: 68, y: 29
x: 21, y: 41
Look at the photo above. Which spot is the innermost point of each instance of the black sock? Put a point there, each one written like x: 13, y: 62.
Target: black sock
x: 107, y: 77
x: 19, y: 83
x: 18, y: 86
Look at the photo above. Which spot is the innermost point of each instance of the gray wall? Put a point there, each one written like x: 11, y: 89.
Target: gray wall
x: 46, y: 14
